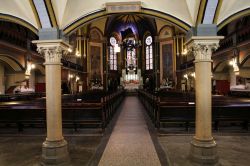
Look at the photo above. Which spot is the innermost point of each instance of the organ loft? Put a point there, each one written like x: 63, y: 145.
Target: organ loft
x: 124, y: 83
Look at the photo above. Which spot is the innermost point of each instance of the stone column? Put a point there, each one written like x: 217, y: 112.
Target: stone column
x: 203, y: 147
x: 85, y: 74
x: 32, y: 79
x: 234, y: 71
x: 156, y: 59
x: 54, y: 149
x: 105, y: 66
x: 232, y: 78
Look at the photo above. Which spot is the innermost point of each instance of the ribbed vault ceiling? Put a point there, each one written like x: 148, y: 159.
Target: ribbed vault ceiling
x: 66, y: 12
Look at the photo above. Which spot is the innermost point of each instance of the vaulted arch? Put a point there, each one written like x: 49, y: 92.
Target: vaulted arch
x: 20, y: 21
x: 13, y: 63
x: 233, y: 17
x: 146, y: 12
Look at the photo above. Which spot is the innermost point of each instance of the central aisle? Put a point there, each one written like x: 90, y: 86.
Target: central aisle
x: 130, y: 142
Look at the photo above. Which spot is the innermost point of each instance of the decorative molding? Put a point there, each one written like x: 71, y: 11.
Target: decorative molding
x: 201, y: 12
x: 121, y: 7
x: 202, y: 46
x: 51, y: 54
x: 233, y: 17
x: 217, y: 12
x: 35, y: 14
x: 19, y: 21
x: 51, y: 13
x: 52, y: 50
x: 68, y: 29
x: 203, y: 52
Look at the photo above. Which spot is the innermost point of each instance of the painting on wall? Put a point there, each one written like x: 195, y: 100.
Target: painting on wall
x: 95, y: 63
x: 167, y: 61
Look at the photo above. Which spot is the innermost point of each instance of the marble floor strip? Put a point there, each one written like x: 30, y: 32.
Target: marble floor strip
x: 130, y: 142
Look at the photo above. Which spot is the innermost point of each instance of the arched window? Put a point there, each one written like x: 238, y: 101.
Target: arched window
x: 131, y: 59
x: 112, y: 55
x: 149, y: 53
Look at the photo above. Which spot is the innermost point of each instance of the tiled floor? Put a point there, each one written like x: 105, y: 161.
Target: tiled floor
x: 233, y: 150
x: 26, y: 150
x: 130, y: 142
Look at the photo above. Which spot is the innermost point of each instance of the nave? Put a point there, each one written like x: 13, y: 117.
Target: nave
x: 129, y: 139
x: 130, y: 142
x: 66, y: 67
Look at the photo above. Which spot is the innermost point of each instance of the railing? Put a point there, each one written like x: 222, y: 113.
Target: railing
x: 243, y: 35
x: 235, y: 39
x: 71, y: 65
x: 13, y: 39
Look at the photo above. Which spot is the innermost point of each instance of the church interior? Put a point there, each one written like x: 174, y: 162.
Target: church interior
x: 124, y: 82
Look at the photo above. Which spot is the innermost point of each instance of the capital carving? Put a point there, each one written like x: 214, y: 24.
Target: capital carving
x: 52, y: 50
x: 203, y: 51
x: 51, y: 54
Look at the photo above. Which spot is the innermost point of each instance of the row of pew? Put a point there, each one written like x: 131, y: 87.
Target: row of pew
x: 178, y: 108
x: 93, y: 109
x: 20, y: 96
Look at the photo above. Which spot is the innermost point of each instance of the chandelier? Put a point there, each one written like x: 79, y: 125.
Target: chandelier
x: 131, y: 43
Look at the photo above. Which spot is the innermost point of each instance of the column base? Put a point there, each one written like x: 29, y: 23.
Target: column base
x: 204, y: 152
x: 55, y: 153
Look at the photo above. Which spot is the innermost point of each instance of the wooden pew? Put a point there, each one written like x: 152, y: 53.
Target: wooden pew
x: 180, y: 108
x: 92, y: 111
x: 84, y: 115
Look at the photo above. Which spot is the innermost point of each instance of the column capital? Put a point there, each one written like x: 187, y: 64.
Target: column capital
x: 202, y: 46
x: 52, y: 50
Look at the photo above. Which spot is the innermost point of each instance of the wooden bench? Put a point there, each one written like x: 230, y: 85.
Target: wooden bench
x: 75, y: 114
x: 180, y: 109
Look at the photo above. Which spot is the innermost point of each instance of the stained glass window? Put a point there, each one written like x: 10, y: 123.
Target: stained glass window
x: 149, y: 53
x: 112, y: 59
x: 112, y: 55
x: 131, y: 58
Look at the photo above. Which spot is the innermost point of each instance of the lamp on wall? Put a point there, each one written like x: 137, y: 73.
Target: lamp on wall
x: 193, y: 74
x: 233, y: 62
x: 184, y: 52
x: 77, y: 78
x: 70, y: 76
x: 185, y: 76
x: 77, y: 53
x: 30, y: 66
x: 69, y: 50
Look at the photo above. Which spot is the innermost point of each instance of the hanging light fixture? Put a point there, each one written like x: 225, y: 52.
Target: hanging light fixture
x: 131, y: 43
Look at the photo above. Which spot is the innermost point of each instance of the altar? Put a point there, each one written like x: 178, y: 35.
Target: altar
x: 131, y: 80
